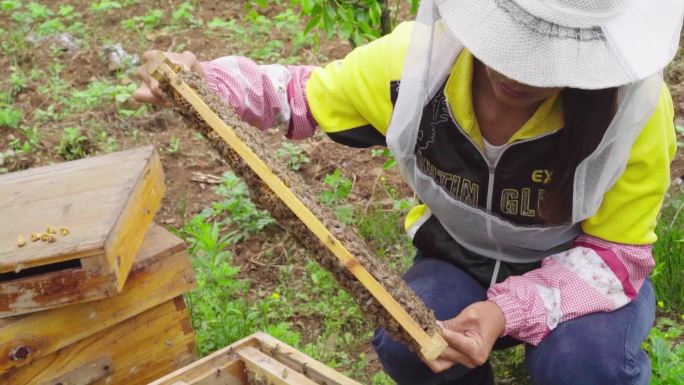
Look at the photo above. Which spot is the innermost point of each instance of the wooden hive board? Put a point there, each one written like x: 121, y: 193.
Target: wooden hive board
x: 162, y: 271
x: 259, y: 357
x: 132, y: 352
x: 106, y: 202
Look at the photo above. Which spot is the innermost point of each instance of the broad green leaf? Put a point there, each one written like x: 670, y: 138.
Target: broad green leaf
x: 414, y: 6
x: 307, y: 6
x: 314, y: 22
x: 346, y: 29
x: 374, y: 12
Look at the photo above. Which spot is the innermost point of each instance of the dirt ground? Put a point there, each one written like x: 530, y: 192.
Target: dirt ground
x: 185, y: 196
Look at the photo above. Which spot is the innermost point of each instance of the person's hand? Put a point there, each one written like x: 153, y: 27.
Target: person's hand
x: 470, y: 335
x: 148, y: 91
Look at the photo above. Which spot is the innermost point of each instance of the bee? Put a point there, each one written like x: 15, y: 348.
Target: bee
x: 35, y: 237
x: 51, y: 238
x: 64, y: 231
x: 21, y: 242
x: 51, y: 230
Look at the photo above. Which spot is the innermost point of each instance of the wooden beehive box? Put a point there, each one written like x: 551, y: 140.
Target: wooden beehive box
x: 133, y: 352
x: 257, y: 359
x: 106, y: 203
x: 44, y: 345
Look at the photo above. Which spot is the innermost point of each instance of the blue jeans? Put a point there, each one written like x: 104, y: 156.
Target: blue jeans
x: 596, y: 349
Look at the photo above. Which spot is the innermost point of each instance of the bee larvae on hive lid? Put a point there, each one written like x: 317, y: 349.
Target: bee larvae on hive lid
x: 64, y: 231
x: 21, y: 242
x: 51, y: 230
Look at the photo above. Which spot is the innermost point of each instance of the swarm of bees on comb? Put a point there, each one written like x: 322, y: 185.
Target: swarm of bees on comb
x: 264, y: 198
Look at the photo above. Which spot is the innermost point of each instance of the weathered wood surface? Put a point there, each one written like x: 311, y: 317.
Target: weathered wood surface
x: 429, y: 345
x: 265, y: 367
x: 299, y: 361
x: 162, y: 271
x: 55, y: 289
x: 88, y: 373
x: 263, y: 355
x: 106, y: 202
x: 227, y: 369
x: 132, y: 352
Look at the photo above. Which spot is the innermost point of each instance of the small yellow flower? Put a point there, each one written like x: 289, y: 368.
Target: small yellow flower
x: 661, y: 304
x: 682, y: 316
x: 382, y: 178
x: 275, y: 295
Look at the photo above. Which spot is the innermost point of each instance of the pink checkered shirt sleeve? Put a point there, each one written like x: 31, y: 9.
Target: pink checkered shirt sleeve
x: 264, y: 95
x: 593, y: 276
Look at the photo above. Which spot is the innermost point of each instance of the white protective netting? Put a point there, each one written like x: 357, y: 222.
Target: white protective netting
x: 565, y: 49
x: 430, y: 57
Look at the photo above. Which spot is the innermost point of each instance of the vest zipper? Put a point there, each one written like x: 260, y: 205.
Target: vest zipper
x: 491, y: 167
x: 490, y: 184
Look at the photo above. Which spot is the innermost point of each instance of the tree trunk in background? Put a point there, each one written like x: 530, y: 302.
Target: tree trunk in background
x: 385, y: 19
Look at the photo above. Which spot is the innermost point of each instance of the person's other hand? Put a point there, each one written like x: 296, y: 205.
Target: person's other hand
x: 148, y: 91
x: 471, y: 336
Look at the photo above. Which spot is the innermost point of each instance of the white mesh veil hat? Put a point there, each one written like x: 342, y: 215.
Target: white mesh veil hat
x: 573, y: 43
x: 588, y: 44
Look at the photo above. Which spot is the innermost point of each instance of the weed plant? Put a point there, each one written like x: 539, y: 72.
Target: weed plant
x: 666, y: 350
x: 225, y: 308
x: 74, y: 144
x: 381, y: 378
x: 174, y: 146
x: 335, y: 195
x: 100, y: 92
x: 668, y: 275
x: 10, y: 117
x: 219, y: 310
x: 236, y: 210
x: 384, y: 152
x: 338, y: 188
x: 263, y: 31
x: 293, y: 154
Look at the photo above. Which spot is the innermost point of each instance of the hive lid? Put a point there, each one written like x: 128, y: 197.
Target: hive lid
x: 106, y: 203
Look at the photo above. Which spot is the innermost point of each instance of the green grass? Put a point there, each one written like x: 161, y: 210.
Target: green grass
x: 664, y: 346
x: 10, y: 117
x: 67, y: 98
x: 293, y: 155
x: 668, y: 275
x: 226, y: 307
x: 221, y: 309
x: 74, y: 144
